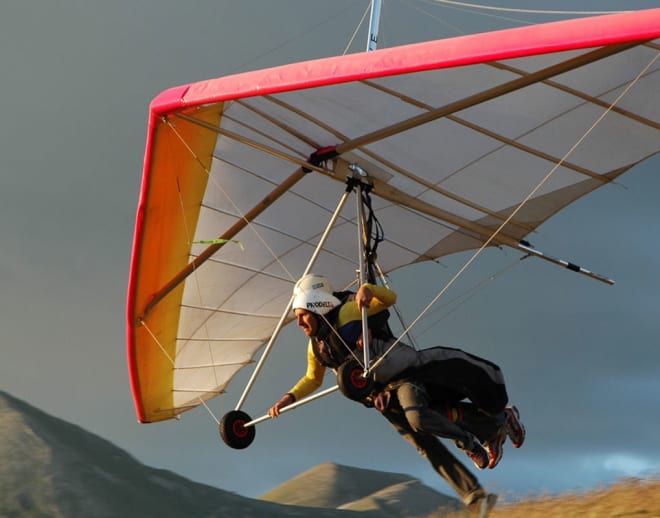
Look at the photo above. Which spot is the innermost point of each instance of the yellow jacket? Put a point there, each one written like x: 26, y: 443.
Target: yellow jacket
x: 349, y: 316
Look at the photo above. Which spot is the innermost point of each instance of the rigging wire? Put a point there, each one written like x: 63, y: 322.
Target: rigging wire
x: 461, y: 299
x: 185, y: 225
x: 194, y: 273
x: 309, y: 30
x: 350, y: 42
x: 543, y: 181
x: 437, y: 18
x: 164, y: 351
x: 395, y: 307
x: 515, y: 10
x: 458, y: 30
x: 197, y: 284
x: 489, y: 12
x: 240, y: 213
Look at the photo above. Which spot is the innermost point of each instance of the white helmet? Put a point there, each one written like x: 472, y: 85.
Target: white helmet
x: 314, y: 294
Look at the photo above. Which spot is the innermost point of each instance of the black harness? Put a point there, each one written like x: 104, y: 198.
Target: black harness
x: 329, y: 349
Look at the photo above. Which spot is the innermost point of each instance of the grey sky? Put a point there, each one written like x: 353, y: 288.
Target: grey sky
x: 581, y: 358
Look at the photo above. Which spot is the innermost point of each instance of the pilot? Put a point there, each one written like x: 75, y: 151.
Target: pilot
x: 421, y: 393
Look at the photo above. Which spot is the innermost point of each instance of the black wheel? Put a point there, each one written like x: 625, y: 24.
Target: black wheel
x: 351, y: 382
x: 234, y: 432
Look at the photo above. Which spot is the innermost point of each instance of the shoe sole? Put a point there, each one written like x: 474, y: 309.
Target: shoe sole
x: 479, y: 466
x: 515, y: 428
x: 494, y: 460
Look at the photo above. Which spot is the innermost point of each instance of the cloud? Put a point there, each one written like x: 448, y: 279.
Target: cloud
x: 625, y: 465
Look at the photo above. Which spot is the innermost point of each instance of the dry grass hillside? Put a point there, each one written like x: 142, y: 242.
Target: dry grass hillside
x: 631, y: 498
x: 628, y: 498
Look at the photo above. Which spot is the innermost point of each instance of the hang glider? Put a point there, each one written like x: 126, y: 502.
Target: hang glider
x: 464, y: 142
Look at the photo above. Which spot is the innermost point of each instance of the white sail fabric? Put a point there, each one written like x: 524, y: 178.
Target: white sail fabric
x: 454, y: 135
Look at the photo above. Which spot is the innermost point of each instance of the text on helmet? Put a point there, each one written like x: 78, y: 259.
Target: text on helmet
x: 320, y: 304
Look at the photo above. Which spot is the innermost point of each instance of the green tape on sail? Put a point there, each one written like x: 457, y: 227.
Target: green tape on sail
x: 219, y: 242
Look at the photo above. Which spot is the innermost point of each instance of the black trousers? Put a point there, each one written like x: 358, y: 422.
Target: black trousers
x: 451, y: 375
x: 410, y: 413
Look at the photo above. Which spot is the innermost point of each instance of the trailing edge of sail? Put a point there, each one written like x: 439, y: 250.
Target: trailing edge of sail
x: 454, y: 134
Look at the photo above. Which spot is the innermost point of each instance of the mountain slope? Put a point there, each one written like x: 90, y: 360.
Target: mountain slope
x: 386, y: 494
x: 49, y: 467
x: 331, y: 485
x: 411, y: 498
